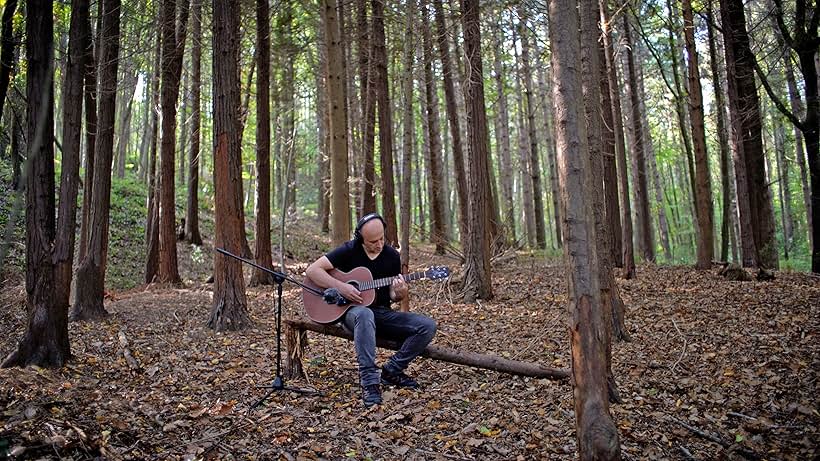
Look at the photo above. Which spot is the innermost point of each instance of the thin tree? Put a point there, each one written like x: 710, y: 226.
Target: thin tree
x: 596, y: 433
x: 703, y: 197
x: 229, y: 311
x: 477, y: 275
x: 381, y: 83
x: 367, y: 99
x: 79, y: 35
x: 339, y: 204
x: 90, y: 101
x: 503, y: 134
x: 45, y: 342
x: 88, y: 303
x: 408, y: 137
x: 192, y: 234
x: 7, y: 46
x: 262, y: 251
x: 745, y: 111
x: 173, y: 28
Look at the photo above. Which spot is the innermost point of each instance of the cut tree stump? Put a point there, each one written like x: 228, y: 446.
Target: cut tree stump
x: 296, y: 340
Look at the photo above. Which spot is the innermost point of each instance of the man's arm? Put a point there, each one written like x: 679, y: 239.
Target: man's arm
x: 318, y: 273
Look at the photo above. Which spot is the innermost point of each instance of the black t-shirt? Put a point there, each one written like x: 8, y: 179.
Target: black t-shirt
x: 351, y: 255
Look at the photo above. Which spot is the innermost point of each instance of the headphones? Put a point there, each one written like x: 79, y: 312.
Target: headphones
x: 357, y: 233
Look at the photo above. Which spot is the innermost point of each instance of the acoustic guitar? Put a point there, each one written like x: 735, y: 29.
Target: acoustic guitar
x: 330, y: 308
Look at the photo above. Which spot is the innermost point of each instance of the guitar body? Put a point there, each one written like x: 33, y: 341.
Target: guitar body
x: 320, y: 311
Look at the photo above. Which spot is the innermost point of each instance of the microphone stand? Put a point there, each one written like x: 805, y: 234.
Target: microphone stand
x: 278, y: 383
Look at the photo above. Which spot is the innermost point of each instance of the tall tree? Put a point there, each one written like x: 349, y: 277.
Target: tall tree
x: 745, y: 111
x: 173, y: 28
x: 152, y: 220
x: 262, y: 250
x: 596, y: 433
x: 645, y: 239
x: 45, y: 342
x: 79, y: 35
x: 409, y: 135
x: 627, y: 258
x: 88, y: 303
x: 367, y: 100
x: 90, y: 101
x: 7, y: 46
x: 477, y: 276
x: 503, y: 134
x: 229, y: 310
x: 703, y: 197
x: 438, y: 233
x: 192, y: 234
x: 339, y: 205
x: 385, y: 122
x: 448, y: 71
x: 535, y: 168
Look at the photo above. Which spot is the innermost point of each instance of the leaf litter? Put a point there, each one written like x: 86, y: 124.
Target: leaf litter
x: 715, y: 370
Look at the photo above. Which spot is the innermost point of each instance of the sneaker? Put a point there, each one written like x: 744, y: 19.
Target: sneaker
x: 398, y: 379
x: 371, y: 395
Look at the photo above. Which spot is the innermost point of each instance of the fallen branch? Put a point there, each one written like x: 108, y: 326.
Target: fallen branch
x: 485, y: 361
x: 713, y: 438
x: 126, y: 352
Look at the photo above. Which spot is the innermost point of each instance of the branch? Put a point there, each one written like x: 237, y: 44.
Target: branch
x: 776, y: 100
x: 778, y: 15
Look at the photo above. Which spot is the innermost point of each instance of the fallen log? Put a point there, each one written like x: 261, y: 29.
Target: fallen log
x: 296, y: 340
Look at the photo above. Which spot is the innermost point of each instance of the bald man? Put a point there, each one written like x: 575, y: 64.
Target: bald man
x: 413, y: 331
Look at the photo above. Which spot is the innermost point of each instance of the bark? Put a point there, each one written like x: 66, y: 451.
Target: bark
x: 7, y: 54
x: 90, y: 98
x: 596, y: 433
x: 385, y: 123
x: 477, y: 276
x: 745, y: 109
x: 262, y: 242
x: 503, y: 137
x: 173, y: 46
x: 45, y: 342
x: 229, y: 310
x: 408, y: 139
x: 453, y: 119
x: 438, y: 232
x: 645, y: 239
x: 723, y: 137
x: 79, y: 35
x: 152, y: 220
x: 535, y: 168
x: 192, y: 234
x: 610, y: 172
x: 703, y: 198
x: 88, y: 304
x: 339, y: 205
x: 627, y: 255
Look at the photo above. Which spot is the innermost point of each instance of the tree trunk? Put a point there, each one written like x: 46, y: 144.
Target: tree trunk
x: 596, y: 433
x: 45, y: 343
x: 438, y: 233
x: 477, y: 276
x: 528, y: 201
x: 262, y: 251
x: 645, y: 239
x: 703, y: 197
x: 339, y: 205
x: 173, y: 46
x: 192, y: 234
x: 610, y: 172
x: 783, y: 180
x: 152, y: 220
x: 627, y: 257
x: 88, y: 304
x: 385, y: 123
x: 549, y: 142
x: 7, y: 54
x: 746, y: 117
x: 80, y: 34
x: 503, y: 137
x: 453, y: 119
x: 229, y: 311
x: 409, y: 135
x: 90, y: 98
x: 323, y: 122
x: 368, y: 108
x: 535, y: 168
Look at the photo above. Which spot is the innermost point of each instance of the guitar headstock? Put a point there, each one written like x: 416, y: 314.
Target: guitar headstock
x: 437, y: 272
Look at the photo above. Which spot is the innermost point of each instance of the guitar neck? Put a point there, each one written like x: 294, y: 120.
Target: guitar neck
x: 383, y: 282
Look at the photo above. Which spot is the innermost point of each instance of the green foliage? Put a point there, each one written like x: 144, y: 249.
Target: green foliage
x: 126, y: 251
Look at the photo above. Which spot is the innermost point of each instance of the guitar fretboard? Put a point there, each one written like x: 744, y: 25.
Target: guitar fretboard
x: 383, y: 282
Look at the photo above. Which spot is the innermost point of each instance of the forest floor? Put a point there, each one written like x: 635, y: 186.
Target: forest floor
x: 715, y: 369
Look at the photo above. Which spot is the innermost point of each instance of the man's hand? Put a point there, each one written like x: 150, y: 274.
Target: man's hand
x: 350, y: 293
x: 398, y: 289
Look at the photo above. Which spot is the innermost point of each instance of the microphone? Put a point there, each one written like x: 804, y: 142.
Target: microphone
x: 332, y: 296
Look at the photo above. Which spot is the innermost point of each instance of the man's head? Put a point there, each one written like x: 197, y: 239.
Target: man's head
x: 370, y: 233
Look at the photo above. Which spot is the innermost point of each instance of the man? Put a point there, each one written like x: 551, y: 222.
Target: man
x: 414, y: 331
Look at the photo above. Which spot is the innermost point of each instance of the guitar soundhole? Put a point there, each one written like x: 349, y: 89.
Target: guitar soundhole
x: 354, y: 283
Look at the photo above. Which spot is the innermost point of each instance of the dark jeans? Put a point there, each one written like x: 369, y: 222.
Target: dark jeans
x: 414, y: 331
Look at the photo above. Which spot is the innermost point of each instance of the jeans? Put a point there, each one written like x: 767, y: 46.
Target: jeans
x: 414, y: 331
